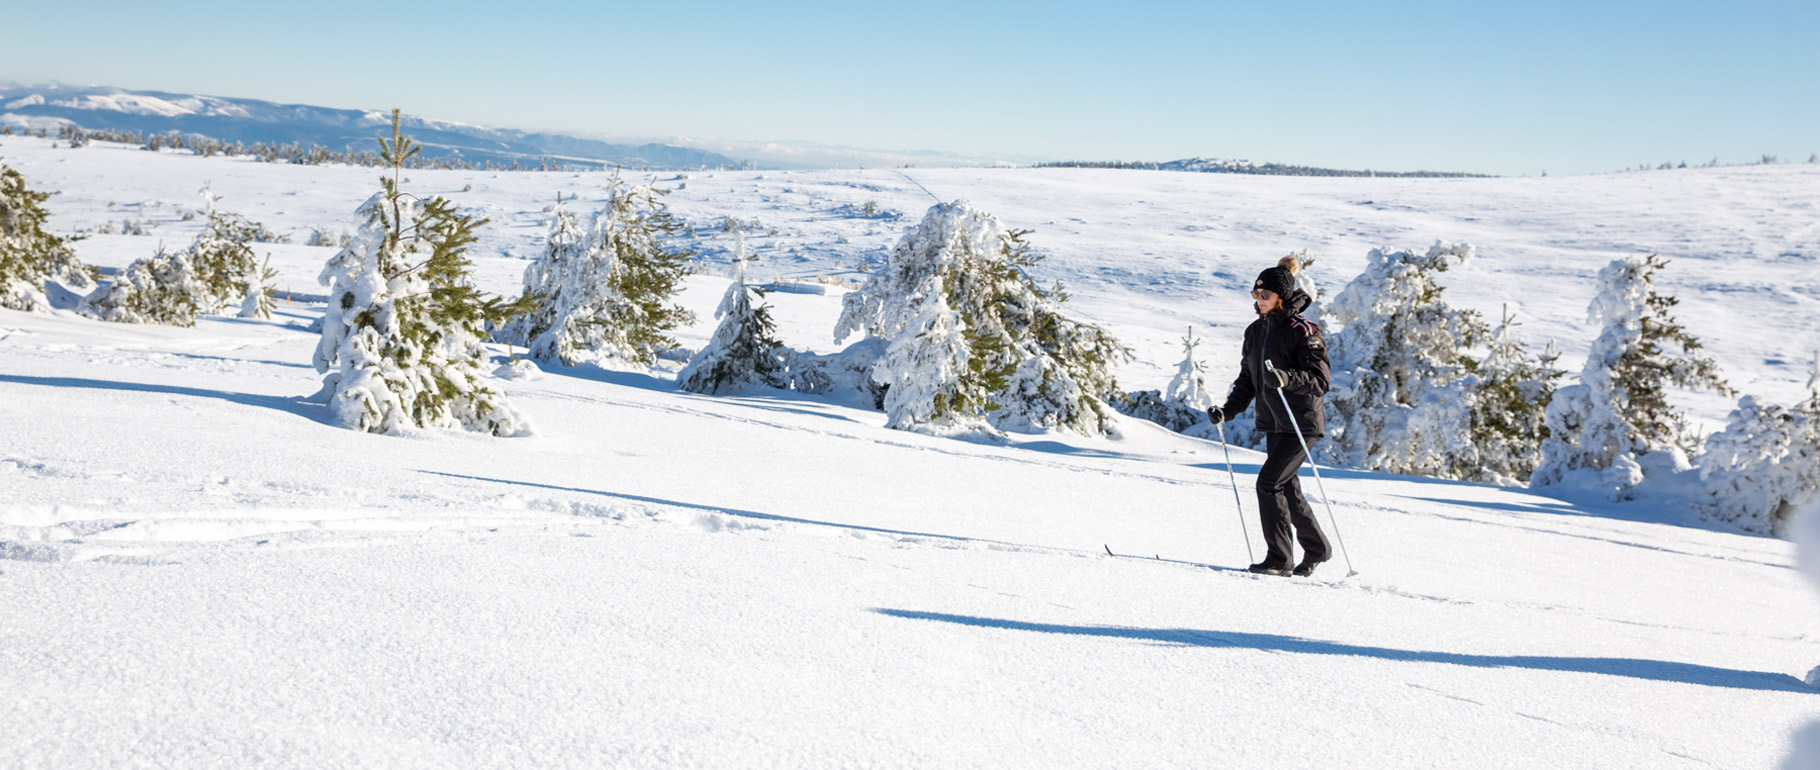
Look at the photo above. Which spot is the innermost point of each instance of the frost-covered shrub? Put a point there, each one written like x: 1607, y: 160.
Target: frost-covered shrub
x: 1619, y: 410
x: 163, y: 289
x: 1402, y: 392
x: 29, y: 255
x: 401, y: 339
x: 1764, y: 465
x: 971, y: 341
x: 844, y: 377
x: 605, y: 291
x: 1156, y: 407
x: 216, y: 272
x: 744, y: 351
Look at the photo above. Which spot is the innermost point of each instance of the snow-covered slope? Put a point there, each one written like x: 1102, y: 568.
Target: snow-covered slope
x: 198, y: 571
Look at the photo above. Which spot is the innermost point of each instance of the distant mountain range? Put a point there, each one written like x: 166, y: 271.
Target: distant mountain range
x: 250, y: 120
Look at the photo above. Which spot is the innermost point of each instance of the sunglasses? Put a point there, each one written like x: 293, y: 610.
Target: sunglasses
x: 1262, y: 294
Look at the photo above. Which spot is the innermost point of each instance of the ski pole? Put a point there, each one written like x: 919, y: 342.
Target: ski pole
x: 1325, y: 499
x: 1238, y: 505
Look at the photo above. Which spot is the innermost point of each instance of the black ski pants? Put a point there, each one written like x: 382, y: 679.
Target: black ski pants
x: 1281, y: 505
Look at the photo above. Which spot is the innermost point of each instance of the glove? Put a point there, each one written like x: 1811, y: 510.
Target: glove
x: 1276, y: 378
x: 1216, y: 416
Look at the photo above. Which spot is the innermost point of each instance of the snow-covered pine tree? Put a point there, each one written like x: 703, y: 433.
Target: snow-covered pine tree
x: 932, y: 382
x: 607, y: 291
x: 1189, y: 385
x: 1765, y: 464
x: 1402, y: 390
x: 1511, y: 395
x: 29, y: 255
x: 547, y: 277
x: 972, y: 340
x: 1619, y: 409
x: 744, y: 350
x: 401, y: 337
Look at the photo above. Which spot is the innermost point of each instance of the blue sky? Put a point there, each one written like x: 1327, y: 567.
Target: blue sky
x: 1507, y: 88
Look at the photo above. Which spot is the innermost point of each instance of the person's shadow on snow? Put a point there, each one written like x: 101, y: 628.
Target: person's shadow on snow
x: 1636, y: 668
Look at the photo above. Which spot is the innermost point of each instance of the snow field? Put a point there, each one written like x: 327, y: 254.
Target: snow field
x: 667, y: 579
x: 197, y: 570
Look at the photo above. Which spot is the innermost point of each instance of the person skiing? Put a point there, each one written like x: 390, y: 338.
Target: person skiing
x: 1297, y: 348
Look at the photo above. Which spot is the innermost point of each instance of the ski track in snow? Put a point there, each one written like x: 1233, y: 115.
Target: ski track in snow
x: 200, y: 571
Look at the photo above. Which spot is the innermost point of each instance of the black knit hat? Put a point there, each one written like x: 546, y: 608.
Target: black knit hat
x: 1278, y: 280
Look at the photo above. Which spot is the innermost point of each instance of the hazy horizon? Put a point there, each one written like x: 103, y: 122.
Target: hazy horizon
x: 1556, y: 87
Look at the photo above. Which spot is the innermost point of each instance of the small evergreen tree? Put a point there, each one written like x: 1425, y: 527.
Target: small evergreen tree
x: 744, y: 350
x: 401, y: 337
x: 261, y: 293
x: 1189, y: 385
x: 1402, y: 392
x: 29, y: 255
x: 608, y: 291
x: 1619, y: 410
x: 971, y: 340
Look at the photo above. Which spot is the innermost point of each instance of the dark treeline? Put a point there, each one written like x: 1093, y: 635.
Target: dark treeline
x: 1245, y: 167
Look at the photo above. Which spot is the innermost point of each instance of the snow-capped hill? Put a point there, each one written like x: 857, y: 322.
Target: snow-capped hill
x: 253, y: 120
x: 138, y: 104
x: 1217, y: 165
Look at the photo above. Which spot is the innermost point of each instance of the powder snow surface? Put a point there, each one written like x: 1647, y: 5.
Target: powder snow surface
x: 197, y: 570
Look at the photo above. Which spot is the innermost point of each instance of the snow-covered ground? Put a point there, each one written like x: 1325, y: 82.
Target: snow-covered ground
x: 197, y: 570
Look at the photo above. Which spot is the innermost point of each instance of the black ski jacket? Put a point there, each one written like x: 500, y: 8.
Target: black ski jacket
x: 1298, y: 348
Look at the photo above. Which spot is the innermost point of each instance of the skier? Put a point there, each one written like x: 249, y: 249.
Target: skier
x: 1295, y: 345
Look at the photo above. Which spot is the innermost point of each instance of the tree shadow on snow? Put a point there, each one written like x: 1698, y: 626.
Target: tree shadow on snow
x: 767, y: 400
x: 292, y: 404
x: 1058, y: 448
x: 596, y: 373
x: 1635, y: 668
x: 1571, y: 511
x: 735, y: 512
x: 1634, y: 511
